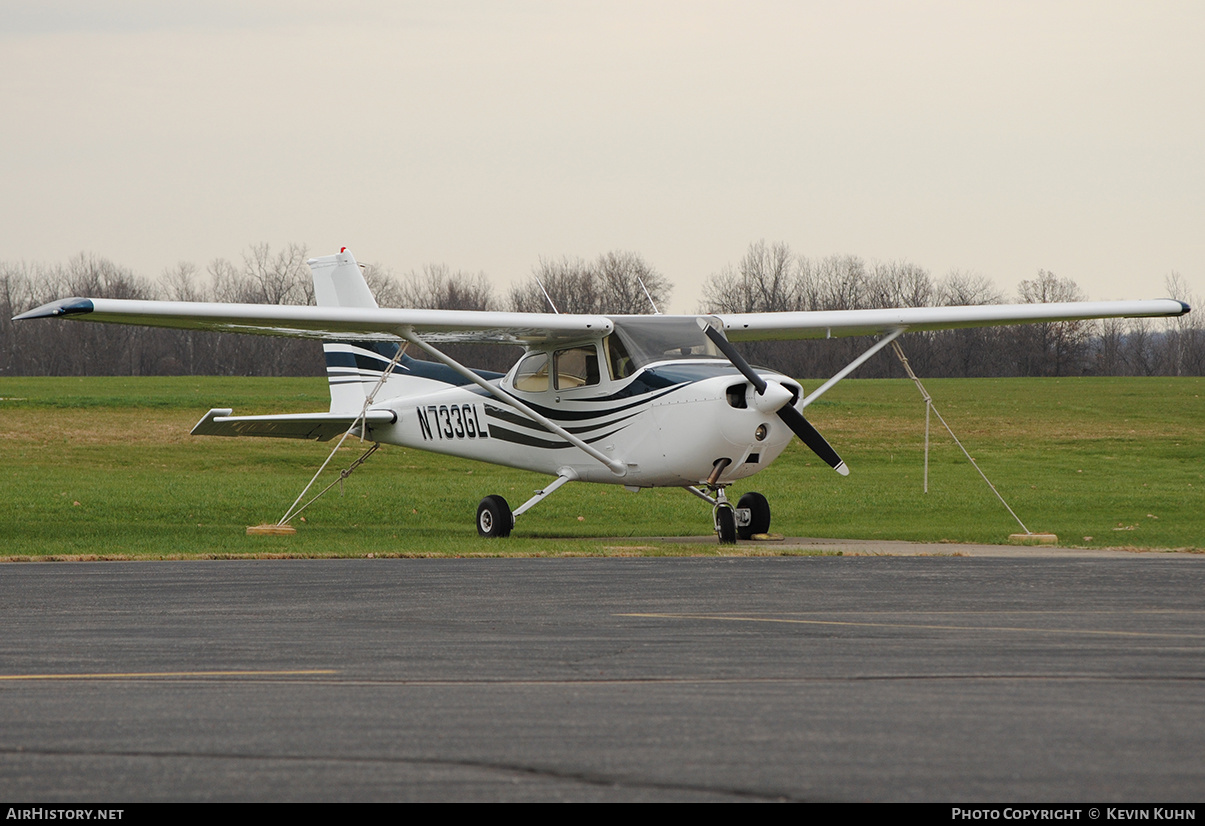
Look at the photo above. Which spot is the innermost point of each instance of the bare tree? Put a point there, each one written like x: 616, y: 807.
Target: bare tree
x: 1055, y: 348
x: 1185, y: 335
x: 764, y: 280
x: 610, y: 284
x: 383, y: 285
x: 437, y: 287
x: 18, y: 351
x: 264, y: 278
x: 179, y: 285
x: 973, y: 351
x: 282, y: 278
x: 900, y: 284
x: 1141, y: 349
x: 568, y: 282
x: 621, y: 280
x: 1109, y: 351
x: 842, y: 284
x: 964, y: 289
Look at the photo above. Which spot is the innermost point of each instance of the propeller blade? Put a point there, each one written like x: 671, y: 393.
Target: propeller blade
x: 792, y: 417
x: 811, y: 437
x: 725, y: 347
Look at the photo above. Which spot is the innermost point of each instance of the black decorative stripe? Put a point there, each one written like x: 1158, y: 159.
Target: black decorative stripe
x: 651, y: 379
x: 560, y: 414
x: 499, y: 432
x: 376, y: 356
x: 79, y: 306
x: 502, y: 414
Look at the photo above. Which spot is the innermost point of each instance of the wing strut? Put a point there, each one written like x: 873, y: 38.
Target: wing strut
x: 854, y: 365
x: 616, y: 467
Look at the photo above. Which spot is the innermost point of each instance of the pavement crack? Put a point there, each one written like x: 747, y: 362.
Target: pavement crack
x: 584, y: 777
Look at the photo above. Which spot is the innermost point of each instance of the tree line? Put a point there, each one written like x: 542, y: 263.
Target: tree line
x: 615, y: 282
x: 772, y: 278
x: 768, y: 278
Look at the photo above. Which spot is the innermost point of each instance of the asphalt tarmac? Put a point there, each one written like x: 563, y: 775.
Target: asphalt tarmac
x: 1027, y: 677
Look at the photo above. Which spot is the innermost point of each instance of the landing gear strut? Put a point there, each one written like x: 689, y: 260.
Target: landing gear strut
x: 750, y: 517
x: 725, y: 523
x: 495, y: 519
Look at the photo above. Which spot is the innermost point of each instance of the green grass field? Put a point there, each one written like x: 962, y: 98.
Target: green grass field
x: 104, y: 467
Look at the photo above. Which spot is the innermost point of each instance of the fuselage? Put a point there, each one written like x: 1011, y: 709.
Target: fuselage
x: 668, y: 424
x: 653, y: 396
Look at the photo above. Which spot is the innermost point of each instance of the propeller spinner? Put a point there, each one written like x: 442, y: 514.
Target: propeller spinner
x: 773, y: 397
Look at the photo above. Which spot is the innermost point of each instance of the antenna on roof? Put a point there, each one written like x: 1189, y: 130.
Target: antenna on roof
x: 546, y: 295
x: 649, y: 297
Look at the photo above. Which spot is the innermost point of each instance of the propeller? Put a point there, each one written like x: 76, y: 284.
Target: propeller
x: 774, y: 398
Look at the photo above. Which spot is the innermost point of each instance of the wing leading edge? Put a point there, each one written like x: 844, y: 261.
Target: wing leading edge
x: 372, y: 324
x: 330, y: 323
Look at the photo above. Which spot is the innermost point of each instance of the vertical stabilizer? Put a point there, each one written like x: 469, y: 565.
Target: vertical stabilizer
x: 353, y: 368
x: 338, y: 282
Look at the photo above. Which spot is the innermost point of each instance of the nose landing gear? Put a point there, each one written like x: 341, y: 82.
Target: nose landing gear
x: 750, y: 517
x: 725, y: 519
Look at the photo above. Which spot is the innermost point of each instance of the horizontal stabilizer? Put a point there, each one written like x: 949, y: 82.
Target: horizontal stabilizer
x: 315, y: 426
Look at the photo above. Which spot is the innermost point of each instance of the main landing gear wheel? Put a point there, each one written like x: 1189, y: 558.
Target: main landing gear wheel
x: 759, y: 515
x: 725, y: 524
x: 494, y: 518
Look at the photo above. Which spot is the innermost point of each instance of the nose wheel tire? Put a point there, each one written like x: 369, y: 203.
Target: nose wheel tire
x: 494, y: 518
x: 759, y: 515
x: 725, y: 524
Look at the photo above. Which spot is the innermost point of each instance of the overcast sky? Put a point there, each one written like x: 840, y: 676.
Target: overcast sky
x: 1000, y: 138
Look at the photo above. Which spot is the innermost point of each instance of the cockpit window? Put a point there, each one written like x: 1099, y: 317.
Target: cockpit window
x: 532, y: 374
x: 651, y: 338
x: 618, y: 359
x: 576, y: 367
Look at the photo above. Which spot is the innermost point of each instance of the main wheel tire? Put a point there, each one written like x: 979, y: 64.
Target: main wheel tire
x: 494, y: 518
x: 759, y: 515
x: 725, y: 519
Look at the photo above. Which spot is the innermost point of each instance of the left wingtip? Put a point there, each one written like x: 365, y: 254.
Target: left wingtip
x: 62, y: 307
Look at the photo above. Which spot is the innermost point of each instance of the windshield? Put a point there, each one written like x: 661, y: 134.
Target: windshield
x: 657, y: 338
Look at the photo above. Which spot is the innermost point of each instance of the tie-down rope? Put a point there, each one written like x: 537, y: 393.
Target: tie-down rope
x: 899, y: 351
x: 359, y: 420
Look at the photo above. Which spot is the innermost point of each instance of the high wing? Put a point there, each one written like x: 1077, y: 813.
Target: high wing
x: 841, y: 323
x: 330, y: 323
x: 376, y: 324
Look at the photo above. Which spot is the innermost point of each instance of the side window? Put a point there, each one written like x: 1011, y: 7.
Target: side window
x: 617, y: 357
x: 576, y: 367
x: 532, y: 374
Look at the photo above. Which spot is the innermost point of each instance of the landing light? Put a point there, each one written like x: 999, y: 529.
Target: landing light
x: 760, y: 433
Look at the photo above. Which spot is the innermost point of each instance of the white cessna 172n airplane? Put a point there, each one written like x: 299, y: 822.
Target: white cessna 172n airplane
x: 640, y: 401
